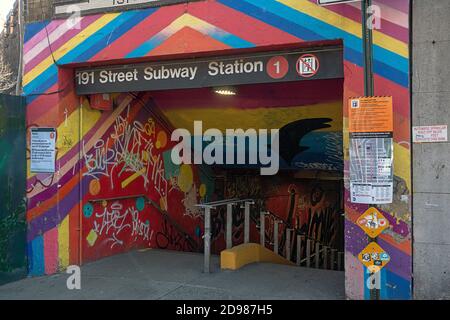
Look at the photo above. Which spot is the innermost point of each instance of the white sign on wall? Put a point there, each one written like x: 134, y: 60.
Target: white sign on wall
x: 424, y: 134
x: 43, y: 150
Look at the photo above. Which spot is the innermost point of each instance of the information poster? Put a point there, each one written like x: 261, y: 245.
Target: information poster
x: 371, y: 168
x: 371, y: 150
x: 43, y: 151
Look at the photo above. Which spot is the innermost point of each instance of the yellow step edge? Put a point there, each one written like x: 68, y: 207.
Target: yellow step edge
x: 247, y: 253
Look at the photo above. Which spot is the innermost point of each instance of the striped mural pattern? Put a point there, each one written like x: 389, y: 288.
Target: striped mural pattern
x: 54, y: 201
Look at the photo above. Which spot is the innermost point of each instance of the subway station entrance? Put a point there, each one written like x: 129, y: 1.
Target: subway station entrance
x: 238, y: 156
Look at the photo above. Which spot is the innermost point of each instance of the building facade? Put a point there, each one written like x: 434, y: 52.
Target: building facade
x: 78, y: 213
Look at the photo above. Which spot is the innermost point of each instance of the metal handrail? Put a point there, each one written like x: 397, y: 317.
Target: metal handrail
x: 222, y: 202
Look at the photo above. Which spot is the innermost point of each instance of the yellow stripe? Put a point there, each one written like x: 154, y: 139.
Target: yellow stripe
x: 402, y: 158
x: 402, y: 164
x: 266, y: 118
x: 63, y: 243
x: 348, y: 25
x: 133, y: 177
x: 69, y: 131
x: 68, y: 46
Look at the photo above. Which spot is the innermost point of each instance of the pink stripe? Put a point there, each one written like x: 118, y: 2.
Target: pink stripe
x: 85, y: 22
x: 140, y: 33
x: 51, y: 251
x: 387, y: 27
x: 400, y: 5
x: 41, y: 35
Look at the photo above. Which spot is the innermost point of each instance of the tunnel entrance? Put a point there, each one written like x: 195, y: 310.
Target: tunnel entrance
x: 305, y: 196
x: 138, y: 196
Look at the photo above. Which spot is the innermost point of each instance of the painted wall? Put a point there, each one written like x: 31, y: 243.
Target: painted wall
x: 54, y: 207
x: 312, y: 207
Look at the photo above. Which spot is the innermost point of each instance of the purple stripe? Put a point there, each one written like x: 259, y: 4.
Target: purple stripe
x: 387, y: 27
x: 49, y: 192
x: 60, y: 42
x: 400, y: 263
x: 41, y: 35
x: 402, y: 228
x: 356, y: 240
x: 400, y: 5
x: 55, y: 215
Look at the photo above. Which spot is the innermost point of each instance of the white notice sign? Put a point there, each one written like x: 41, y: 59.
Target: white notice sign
x: 43, y: 151
x: 371, y: 168
x: 424, y: 134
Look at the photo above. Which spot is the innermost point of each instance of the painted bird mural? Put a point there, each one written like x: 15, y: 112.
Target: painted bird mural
x: 292, y: 134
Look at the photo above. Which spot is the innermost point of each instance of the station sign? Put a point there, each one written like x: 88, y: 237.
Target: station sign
x: 259, y: 68
x: 374, y: 257
x: 373, y: 222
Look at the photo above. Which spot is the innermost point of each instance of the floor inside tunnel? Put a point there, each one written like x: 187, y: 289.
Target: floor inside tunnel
x: 169, y: 275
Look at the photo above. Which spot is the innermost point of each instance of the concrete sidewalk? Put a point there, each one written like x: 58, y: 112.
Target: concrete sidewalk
x: 161, y: 274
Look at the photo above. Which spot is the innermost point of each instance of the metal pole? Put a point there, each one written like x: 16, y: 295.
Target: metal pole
x: 21, y: 39
x: 247, y: 223
x: 229, y: 231
x: 288, y: 244
x: 275, y: 236
x: 339, y: 262
x: 262, y: 228
x: 367, y: 49
x: 317, y: 254
x: 308, y: 253
x: 368, y: 77
x: 299, y: 250
x: 207, y: 240
x: 325, y: 257
x: 333, y: 257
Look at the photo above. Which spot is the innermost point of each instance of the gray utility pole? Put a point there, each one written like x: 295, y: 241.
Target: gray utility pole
x: 21, y: 37
x: 367, y: 39
x: 367, y: 48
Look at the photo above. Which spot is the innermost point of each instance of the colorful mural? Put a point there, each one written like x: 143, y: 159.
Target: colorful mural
x: 55, y: 206
x: 311, y: 109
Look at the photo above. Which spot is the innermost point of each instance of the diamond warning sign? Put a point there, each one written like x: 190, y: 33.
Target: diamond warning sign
x: 374, y: 257
x: 373, y: 222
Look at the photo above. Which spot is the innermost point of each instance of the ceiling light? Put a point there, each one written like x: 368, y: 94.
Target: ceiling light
x: 225, y: 91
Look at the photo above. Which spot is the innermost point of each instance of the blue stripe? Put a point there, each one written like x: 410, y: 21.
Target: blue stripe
x: 36, y: 264
x: 88, y: 48
x: 221, y: 35
x: 105, y: 36
x: 146, y: 47
x: 288, y: 20
x: 34, y: 28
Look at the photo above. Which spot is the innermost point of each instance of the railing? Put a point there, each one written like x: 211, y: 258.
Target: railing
x: 324, y: 257
x: 229, y: 225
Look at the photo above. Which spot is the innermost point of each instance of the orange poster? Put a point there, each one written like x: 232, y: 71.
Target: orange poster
x: 371, y: 114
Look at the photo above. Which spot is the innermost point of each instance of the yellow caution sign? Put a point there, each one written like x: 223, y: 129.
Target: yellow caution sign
x: 373, y: 222
x: 374, y: 257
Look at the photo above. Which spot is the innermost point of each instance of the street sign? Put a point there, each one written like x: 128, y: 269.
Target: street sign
x: 328, y: 2
x: 374, y: 257
x: 373, y: 222
x: 267, y: 67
